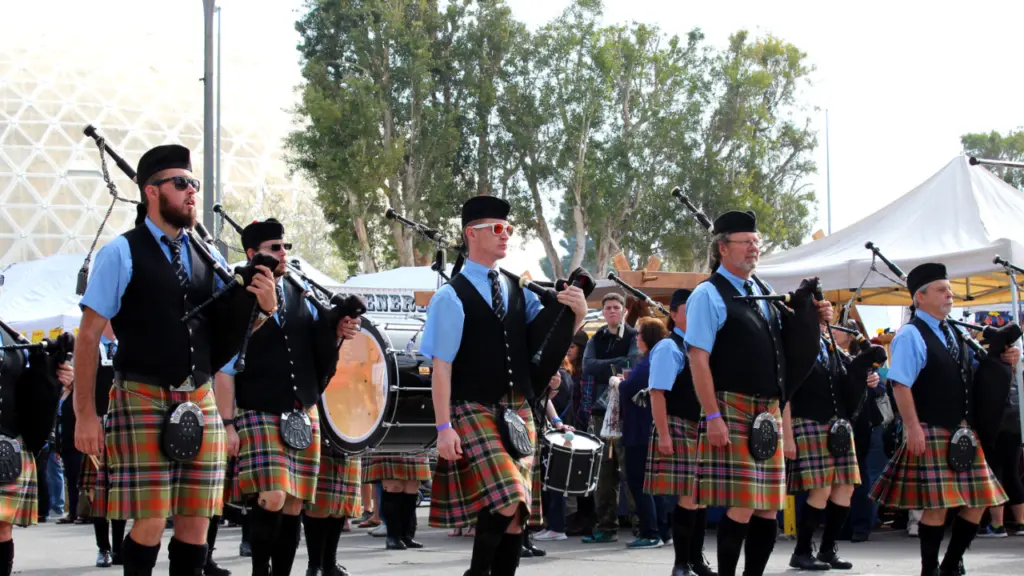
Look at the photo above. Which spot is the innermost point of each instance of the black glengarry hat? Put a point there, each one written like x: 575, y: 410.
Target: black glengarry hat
x: 679, y: 297
x: 259, y: 232
x: 480, y: 207
x: 735, y: 221
x: 162, y: 158
x: 923, y: 274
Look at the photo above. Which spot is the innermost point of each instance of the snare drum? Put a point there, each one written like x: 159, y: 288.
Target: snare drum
x: 379, y: 399
x: 572, y: 466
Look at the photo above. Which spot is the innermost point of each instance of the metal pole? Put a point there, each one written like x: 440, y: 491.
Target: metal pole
x: 1015, y: 315
x: 828, y: 176
x: 208, y: 127
x: 220, y: 184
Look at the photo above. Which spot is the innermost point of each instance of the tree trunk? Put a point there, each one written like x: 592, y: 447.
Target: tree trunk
x: 579, y: 223
x: 366, y: 263
x: 542, y: 226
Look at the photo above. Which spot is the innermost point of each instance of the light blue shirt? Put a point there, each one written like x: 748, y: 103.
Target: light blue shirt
x: 442, y: 334
x: 667, y: 361
x: 909, y: 353
x: 112, y: 270
x: 229, y: 368
x: 705, y: 310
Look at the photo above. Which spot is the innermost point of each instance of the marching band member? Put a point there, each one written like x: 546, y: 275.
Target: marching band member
x: 276, y: 425
x: 401, y: 477
x: 337, y: 498
x: 165, y: 445
x: 476, y: 334
x: 932, y: 375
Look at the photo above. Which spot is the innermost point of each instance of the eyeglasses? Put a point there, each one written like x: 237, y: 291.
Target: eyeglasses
x: 276, y: 247
x: 748, y: 243
x: 181, y: 183
x: 497, y: 228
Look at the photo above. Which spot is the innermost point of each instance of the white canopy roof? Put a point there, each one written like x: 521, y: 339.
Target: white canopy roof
x: 962, y: 216
x: 40, y: 295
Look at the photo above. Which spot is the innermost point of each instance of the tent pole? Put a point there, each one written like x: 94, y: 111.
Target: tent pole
x: 1015, y: 315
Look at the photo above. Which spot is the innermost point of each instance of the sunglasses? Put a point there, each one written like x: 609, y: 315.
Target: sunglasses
x: 497, y: 228
x: 276, y: 246
x: 181, y: 183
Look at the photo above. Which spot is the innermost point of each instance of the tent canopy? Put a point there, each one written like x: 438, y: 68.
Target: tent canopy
x: 962, y: 216
x: 39, y: 295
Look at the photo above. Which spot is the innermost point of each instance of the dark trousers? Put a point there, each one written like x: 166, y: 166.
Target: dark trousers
x: 1005, y: 463
x: 72, y: 470
x: 871, y: 460
x: 608, y: 481
x: 554, y: 510
x: 652, y: 510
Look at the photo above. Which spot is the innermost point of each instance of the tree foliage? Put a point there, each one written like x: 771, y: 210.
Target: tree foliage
x: 995, y: 146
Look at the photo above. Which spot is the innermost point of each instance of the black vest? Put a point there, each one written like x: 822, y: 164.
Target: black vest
x: 748, y: 356
x: 104, y: 381
x: 279, y: 364
x: 942, y: 389
x: 607, y: 346
x: 493, y: 355
x: 819, y: 398
x: 11, y: 368
x: 153, y: 343
x: 682, y: 400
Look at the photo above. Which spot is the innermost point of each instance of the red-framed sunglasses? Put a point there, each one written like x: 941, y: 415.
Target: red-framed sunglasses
x: 496, y: 228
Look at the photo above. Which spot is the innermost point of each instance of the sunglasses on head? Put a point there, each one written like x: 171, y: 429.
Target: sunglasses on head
x: 181, y: 183
x: 276, y: 246
x: 497, y: 228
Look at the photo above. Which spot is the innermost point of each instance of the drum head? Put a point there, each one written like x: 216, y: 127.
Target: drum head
x: 580, y: 441
x: 354, y: 405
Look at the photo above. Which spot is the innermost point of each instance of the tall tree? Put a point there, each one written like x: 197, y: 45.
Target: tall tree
x: 995, y: 146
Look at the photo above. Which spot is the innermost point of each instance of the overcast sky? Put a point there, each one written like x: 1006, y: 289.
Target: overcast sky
x: 902, y: 80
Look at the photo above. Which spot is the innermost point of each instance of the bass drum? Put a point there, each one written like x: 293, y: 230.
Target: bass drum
x: 379, y: 399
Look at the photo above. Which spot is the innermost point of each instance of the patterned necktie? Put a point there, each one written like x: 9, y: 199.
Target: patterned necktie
x: 496, y: 301
x: 748, y: 286
x: 179, y: 267
x: 111, y: 350
x: 954, y: 350
x: 280, y: 305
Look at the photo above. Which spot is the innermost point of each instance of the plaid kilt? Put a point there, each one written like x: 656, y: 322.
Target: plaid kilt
x: 395, y: 467
x: 143, y: 482
x: 266, y: 464
x: 729, y: 476
x: 93, y: 483
x: 337, y: 487
x: 815, y: 467
x: 486, y: 476
x: 19, y: 500
x: 926, y: 482
x: 673, y: 475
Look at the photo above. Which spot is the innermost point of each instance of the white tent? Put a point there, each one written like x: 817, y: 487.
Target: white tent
x: 39, y: 297
x: 405, y: 278
x: 962, y: 216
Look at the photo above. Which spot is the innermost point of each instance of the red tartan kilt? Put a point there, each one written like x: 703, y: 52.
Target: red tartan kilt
x: 927, y: 483
x: 92, y: 484
x: 394, y: 467
x: 815, y: 467
x: 266, y: 464
x: 19, y: 500
x: 675, y: 474
x: 337, y: 487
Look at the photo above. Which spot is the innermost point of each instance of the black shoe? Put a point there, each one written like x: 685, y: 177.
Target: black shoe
x: 410, y: 543
x: 525, y: 552
x: 337, y: 570
x: 807, y: 562
x: 831, y: 557
x: 212, y: 569
x: 245, y: 549
x: 537, y: 552
x: 103, y: 559
x: 683, y: 571
x: 702, y: 568
x: 314, y: 572
x: 860, y: 537
x: 395, y: 544
x: 116, y: 559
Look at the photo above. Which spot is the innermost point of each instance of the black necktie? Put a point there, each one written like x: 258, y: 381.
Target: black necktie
x: 951, y: 345
x: 748, y: 286
x: 496, y: 301
x: 111, y: 349
x: 179, y: 267
x: 280, y: 305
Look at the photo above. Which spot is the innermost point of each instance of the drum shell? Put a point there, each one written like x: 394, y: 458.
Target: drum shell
x: 572, y: 470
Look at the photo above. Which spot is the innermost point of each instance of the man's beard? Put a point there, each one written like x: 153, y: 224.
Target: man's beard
x: 175, y: 217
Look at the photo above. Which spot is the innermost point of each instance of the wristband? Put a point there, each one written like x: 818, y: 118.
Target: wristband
x: 228, y: 422
x: 711, y: 417
x: 556, y: 420
x: 444, y: 426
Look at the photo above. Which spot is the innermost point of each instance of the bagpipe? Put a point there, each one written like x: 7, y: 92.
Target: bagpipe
x: 330, y: 307
x: 231, y: 319
x: 635, y: 293
x: 854, y: 369
x: 797, y: 312
x: 992, y: 378
x: 550, y: 334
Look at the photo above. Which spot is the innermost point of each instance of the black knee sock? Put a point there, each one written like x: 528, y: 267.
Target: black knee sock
x: 283, y: 555
x: 101, y: 528
x: 682, y: 531
x: 963, y: 534
x: 760, y: 542
x: 117, y: 534
x: 139, y: 560
x: 931, y: 540
x: 6, y: 558
x: 186, y: 559
x: 247, y: 528
x: 506, y: 557
x: 730, y: 543
x: 490, y: 529
x: 409, y: 514
x: 835, y: 517
x: 211, y: 533
x: 316, y: 533
x: 391, y: 513
x: 810, y: 517
x: 264, y: 528
x: 333, y: 535
x: 700, y: 526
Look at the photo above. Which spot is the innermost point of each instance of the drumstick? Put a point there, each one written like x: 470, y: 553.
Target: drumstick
x: 95, y: 462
